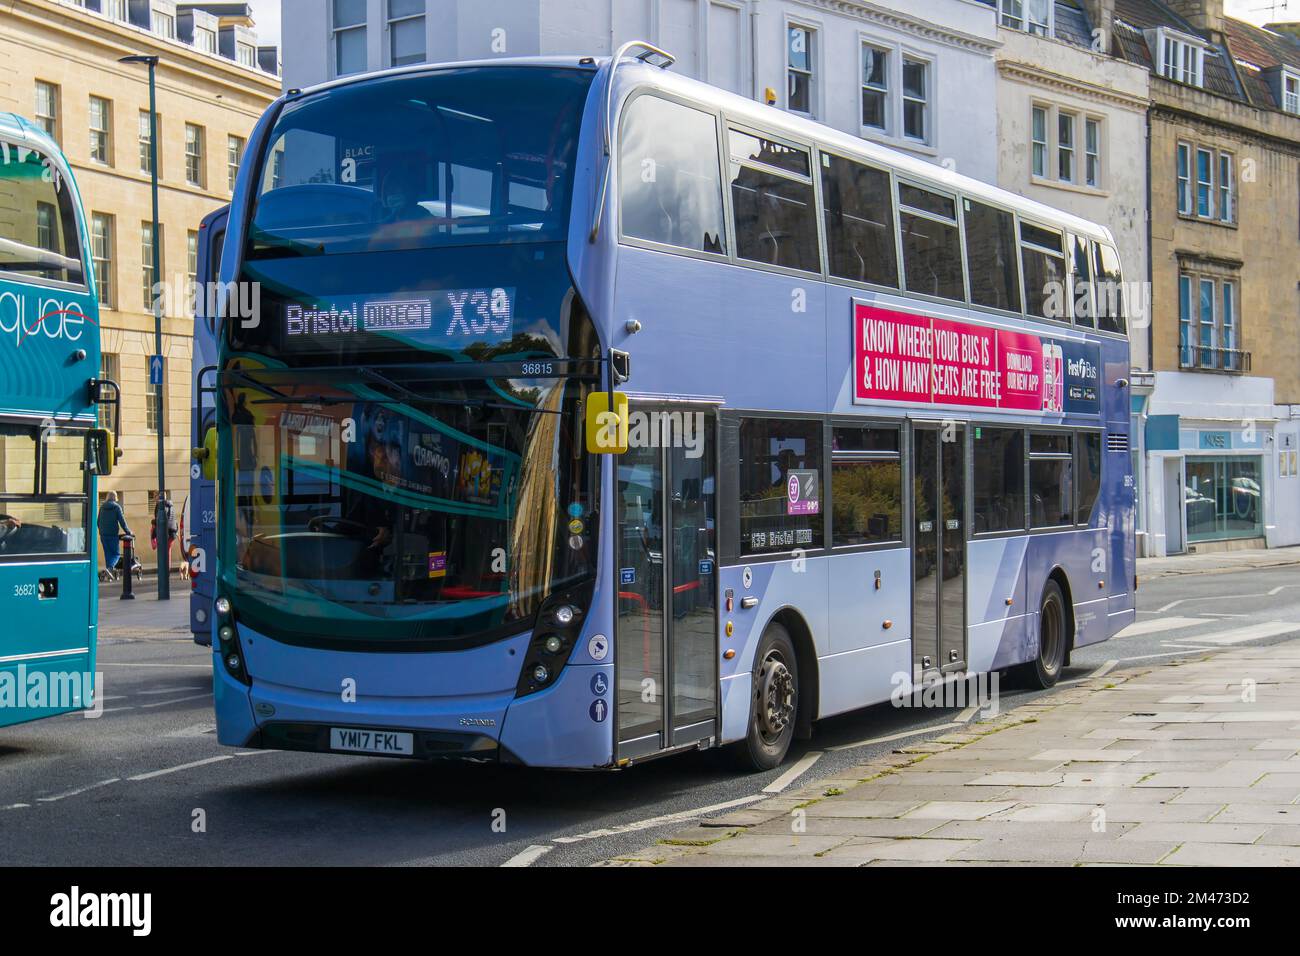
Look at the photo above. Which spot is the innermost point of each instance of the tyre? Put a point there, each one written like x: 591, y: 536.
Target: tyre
x: 1044, y: 671
x: 774, y: 702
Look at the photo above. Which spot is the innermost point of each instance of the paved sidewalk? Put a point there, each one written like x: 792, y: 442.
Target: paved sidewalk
x: 1194, y: 764
x: 1216, y: 562
x: 146, y: 616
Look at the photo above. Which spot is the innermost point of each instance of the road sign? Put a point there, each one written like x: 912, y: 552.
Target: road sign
x: 155, y: 370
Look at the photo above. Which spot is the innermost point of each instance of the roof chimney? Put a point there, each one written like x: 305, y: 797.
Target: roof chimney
x: 1100, y: 14
x: 1204, y: 15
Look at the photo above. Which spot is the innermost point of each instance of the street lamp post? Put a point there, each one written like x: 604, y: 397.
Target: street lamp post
x: 160, y: 516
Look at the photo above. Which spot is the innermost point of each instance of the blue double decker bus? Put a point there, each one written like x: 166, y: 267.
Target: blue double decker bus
x: 572, y: 413
x: 51, y: 446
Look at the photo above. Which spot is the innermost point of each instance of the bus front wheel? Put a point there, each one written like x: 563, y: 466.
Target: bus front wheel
x: 774, y: 702
x: 1044, y: 671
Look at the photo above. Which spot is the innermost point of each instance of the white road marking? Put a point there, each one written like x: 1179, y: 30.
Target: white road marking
x: 1143, y: 657
x: 1161, y: 624
x: 73, y: 793
x: 529, y: 856
x: 1252, y: 632
x: 193, y: 730
x: 1104, y: 669
x: 166, y: 690
x: 185, y: 766
x: 898, y: 736
x: 178, y: 700
x: 1207, y: 597
x: 794, y: 773
x: 16, y: 806
x: 658, y: 821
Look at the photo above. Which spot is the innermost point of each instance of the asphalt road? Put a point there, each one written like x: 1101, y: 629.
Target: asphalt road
x: 132, y: 786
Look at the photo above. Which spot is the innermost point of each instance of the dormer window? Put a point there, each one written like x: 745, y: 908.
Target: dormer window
x: 1291, y: 91
x: 164, y: 24
x: 1178, y: 56
x: 1031, y: 16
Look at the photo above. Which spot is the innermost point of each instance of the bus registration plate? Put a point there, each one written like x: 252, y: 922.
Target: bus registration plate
x: 371, y: 741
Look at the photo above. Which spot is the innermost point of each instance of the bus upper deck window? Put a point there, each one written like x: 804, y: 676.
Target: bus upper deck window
x: 1108, y: 289
x: 773, y: 204
x: 931, y: 243
x: 670, y: 186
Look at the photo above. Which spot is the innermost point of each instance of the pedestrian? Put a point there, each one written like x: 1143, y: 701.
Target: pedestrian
x: 110, y: 520
x: 169, y: 516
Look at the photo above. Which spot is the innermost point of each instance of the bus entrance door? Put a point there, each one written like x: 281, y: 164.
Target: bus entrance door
x: 939, y: 553
x: 665, y: 644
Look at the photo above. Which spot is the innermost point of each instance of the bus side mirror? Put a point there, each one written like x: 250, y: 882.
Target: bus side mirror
x: 607, y: 423
x: 103, y: 453
x: 206, y: 455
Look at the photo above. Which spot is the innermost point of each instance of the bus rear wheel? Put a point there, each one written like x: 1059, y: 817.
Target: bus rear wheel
x: 1044, y: 671
x: 774, y: 702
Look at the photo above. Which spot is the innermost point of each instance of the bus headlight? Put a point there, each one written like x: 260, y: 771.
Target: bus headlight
x: 556, y: 630
x: 222, y: 606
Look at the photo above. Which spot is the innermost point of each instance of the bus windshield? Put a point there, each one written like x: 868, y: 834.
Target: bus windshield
x: 414, y: 161
x: 449, y: 519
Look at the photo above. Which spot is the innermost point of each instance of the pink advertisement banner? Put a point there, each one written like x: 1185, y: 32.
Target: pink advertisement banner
x: 919, y: 360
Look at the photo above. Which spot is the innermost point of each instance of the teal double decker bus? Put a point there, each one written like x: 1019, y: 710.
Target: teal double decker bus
x: 51, y: 446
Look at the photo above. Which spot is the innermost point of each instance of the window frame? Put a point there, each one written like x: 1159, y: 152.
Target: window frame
x: 79, y: 223
x: 886, y: 92
x: 49, y: 122
x: 104, y: 291
x: 1183, y: 176
x: 100, y: 135
x: 892, y: 177
x: 1068, y: 457
x: 1024, y: 529
x: 389, y: 20
x: 240, y: 144
x: 729, y: 125
x: 1064, y: 254
x: 1067, y: 152
x: 719, y: 126
x: 1094, y: 171
x: 1226, y: 192
x: 336, y: 32
x: 958, y: 222
x: 902, y: 456
x: 1023, y: 22
x: 38, y: 496
x: 1225, y: 322
x: 1290, y: 89
x: 1180, y: 58
x: 1039, y: 149
x: 811, y: 73
x: 146, y: 261
x: 736, y: 547
x: 926, y: 100
x: 962, y: 200
x: 198, y: 158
